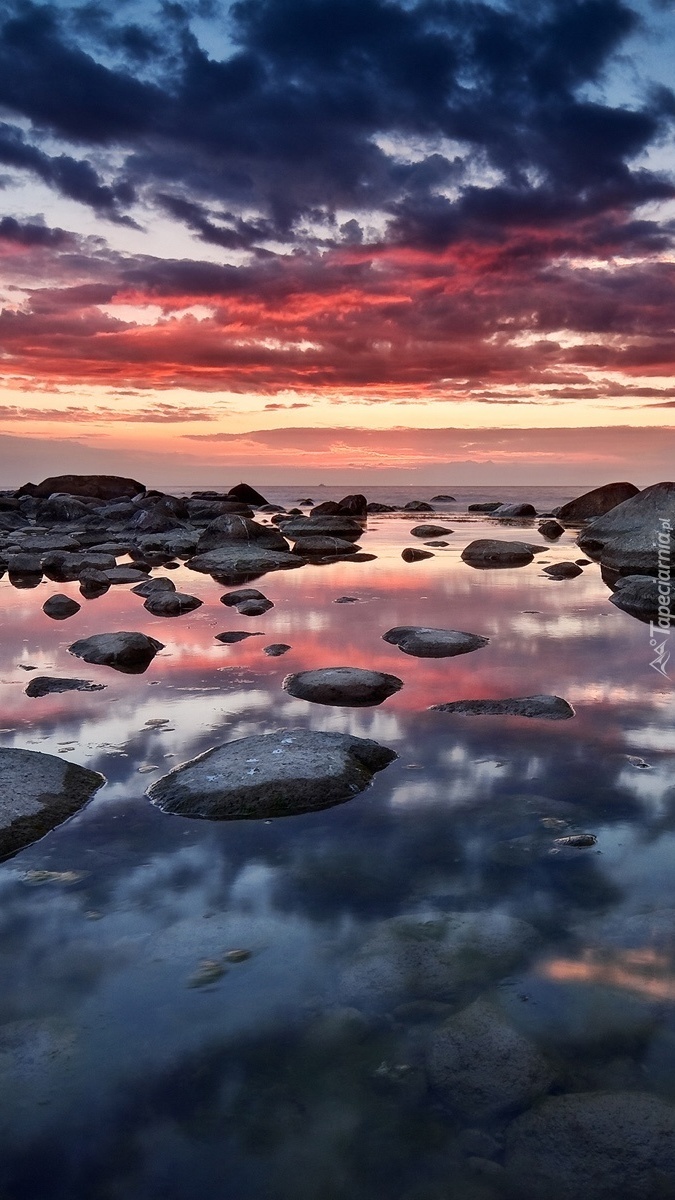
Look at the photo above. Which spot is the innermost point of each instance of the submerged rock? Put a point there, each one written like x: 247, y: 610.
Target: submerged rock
x: 430, y: 531
x: 241, y: 560
x: 553, y: 708
x: 60, y: 607
x: 130, y: 653
x: 46, y: 685
x: 319, y: 547
x: 414, y: 554
x: 490, y: 552
x: 347, y: 686
x: 235, y: 635
x: 271, y: 775
x: 39, y: 791
x: 599, y: 1145
x: 563, y: 570
x: 596, y: 502
x: 276, y: 649
x: 433, y: 643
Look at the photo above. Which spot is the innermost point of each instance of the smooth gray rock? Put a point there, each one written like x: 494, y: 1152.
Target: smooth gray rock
x: 552, y: 708
x: 639, y: 595
x: 180, y: 543
x: 93, y: 583
x: 596, y: 502
x: 329, y: 525
x: 550, y: 529
x: 318, y: 547
x: 254, y: 608
x: 130, y: 653
x: 599, y: 1145
x: 349, y: 687
x: 150, y: 587
x: 43, y: 543
x: 422, y: 642
x: 482, y: 1066
x: 628, y: 538
x: 24, y: 564
x: 563, y: 570
x: 442, y: 498
x: 67, y: 566
x: 430, y: 531
x: 485, y: 506
x: 39, y: 791
x: 246, y: 494
x: 271, y: 775
x: 241, y: 560
x: 60, y: 607
x: 515, y: 510
x: 276, y: 649
x: 231, y: 528
x: 235, y: 635
x: 441, y: 957
x: 47, y: 685
x: 413, y: 554
x: 171, y: 604
x: 103, y: 487
x: 126, y: 574
x: 490, y: 552
x: 417, y: 506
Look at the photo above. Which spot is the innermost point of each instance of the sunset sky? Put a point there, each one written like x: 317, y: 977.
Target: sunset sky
x: 366, y: 241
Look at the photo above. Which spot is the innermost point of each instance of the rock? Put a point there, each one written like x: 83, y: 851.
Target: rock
x: 485, y: 506
x: 46, y: 685
x: 346, y: 600
x: 490, y: 552
x: 254, y: 608
x: 553, y: 708
x: 179, y: 543
x: 43, y: 543
x: 550, y: 529
x: 130, y: 653
x: 235, y: 635
x: 417, y: 506
x: 93, y: 583
x: 639, y: 595
x: 231, y: 529
x: 323, y: 526
x: 102, y: 487
x: 442, y: 499
x: 563, y: 570
x: 307, y: 501
x: 482, y: 1066
x: 240, y: 561
x: 24, y: 564
x: 319, y: 547
x: 171, y: 604
x: 247, y: 494
x: 439, y: 958
x: 630, y: 536
x: 150, y: 587
x: 125, y: 574
x: 414, y: 554
x: 240, y: 596
x: 596, y: 503
x: 276, y: 649
x: 39, y: 791
x: 601, y: 1145
x: 354, y: 505
x: 515, y: 510
x: 67, y: 566
x: 375, y: 507
x: 430, y: 531
x: 433, y: 643
x: 59, y: 607
x: 271, y: 775
x: 345, y: 686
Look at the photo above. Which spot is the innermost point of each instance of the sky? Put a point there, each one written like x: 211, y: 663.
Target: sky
x: 371, y: 241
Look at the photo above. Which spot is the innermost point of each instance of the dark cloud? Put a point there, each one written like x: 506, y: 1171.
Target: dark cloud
x: 33, y: 233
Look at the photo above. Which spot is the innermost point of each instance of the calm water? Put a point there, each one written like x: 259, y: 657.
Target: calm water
x: 300, y: 1073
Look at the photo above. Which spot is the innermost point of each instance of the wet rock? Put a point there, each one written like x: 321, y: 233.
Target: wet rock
x: 276, y: 649
x: 67, y: 566
x: 235, y: 635
x: 171, y: 604
x: 601, y: 1145
x: 354, y: 505
x: 39, y: 791
x: 150, y: 587
x: 241, y: 596
x: 102, y: 487
x: 24, y: 564
x: 242, y: 561
x: 319, y: 547
x: 444, y: 957
x: 413, y: 554
x: 47, y: 685
x: 515, y: 510
x: 417, y: 506
x: 563, y: 570
x: 247, y: 494
x: 346, y: 600
x: 374, y: 506
x: 430, y: 531
x: 482, y: 1066
x: 254, y: 608
x: 433, y: 643
x: 485, y: 506
x: 345, y: 686
x: 553, y: 708
x: 271, y: 775
x: 443, y: 499
x: 596, y: 502
x: 130, y: 653
x: 180, y: 543
x: 43, y: 543
x: 578, y: 841
x: 490, y: 552
x: 639, y: 595
x: 230, y: 528
x: 550, y: 529
x: 126, y: 574
x: 344, y: 527
x: 93, y: 583
x: 630, y: 536
x: 59, y: 607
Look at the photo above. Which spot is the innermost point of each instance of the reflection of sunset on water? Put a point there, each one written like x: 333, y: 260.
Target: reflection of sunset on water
x: 644, y: 972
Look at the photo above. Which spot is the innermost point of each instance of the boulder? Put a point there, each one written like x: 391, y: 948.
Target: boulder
x: 483, y: 1067
x: 323, y: 526
x: 254, y: 608
x: 235, y: 635
x: 93, y: 583
x: 67, y: 566
x: 39, y: 791
x: 552, y: 708
x: 490, y: 552
x: 320, y: 547
x: 240, y: 596
x: 231, y: 529
x: 240, y: 561
x: 102, y: 487
x: 485, y: 506
x: 47, y: 685
x: 177, y: 543
x: 276, y: 649
x: 125, y: 573
x: 417, y: 506
x: 433, y: 643
x: 514, y: 510
x: 150, y: 587
x: 130, y: 653
x: 550, y: 529
x: 596, y: 503
x: 443, y: 499
x: 349, y: 687
x: 59, y: 607
x: 636, y: 537
x: 247, y: 494
x: 640, y: 596
x: 374, y: 506
x: 563, y: 570
x: 599, y: 1145
x: 271, y: 775
x: 171, y: 604
x: 430, y: 531
x: 413, y: 554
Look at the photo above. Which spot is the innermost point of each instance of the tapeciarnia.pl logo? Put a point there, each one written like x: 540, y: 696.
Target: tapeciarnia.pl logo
x: 657, y: 630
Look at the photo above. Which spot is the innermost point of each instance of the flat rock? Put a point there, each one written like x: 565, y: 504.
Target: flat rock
x: 59, y: 607
x: 430, y: 531
x: 103, y: 487
x: 482, y: 1066
x: 242, y: 560
x: 414, y: 554
x: 515, y: 510
x: 443, y: 499
x: 235, y: 635
x: 47, y: 685
x: 130, y: 653
x: 485, y: 506
x: 433, y: 643
x: 240, y: 596
x: 563, y: 570
x: 345, y: 686
x: 126, y: 574
x: 329, y: 525
x: 171, y: 604
x: 318, y: 547
x: 629, y: 537
x: 271, y: 775
x: 597, y: 502
x: 599, y: 1145
x: 150, y: 587
x: 276, y: 649
x: 490, y: 552
x: 552, y: 708
x: 39, y: 791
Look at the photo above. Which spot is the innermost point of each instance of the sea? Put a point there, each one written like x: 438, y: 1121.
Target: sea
x: 423, y: 993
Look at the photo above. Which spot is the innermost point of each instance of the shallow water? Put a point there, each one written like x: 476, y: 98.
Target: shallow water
x: 300, y: 1072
